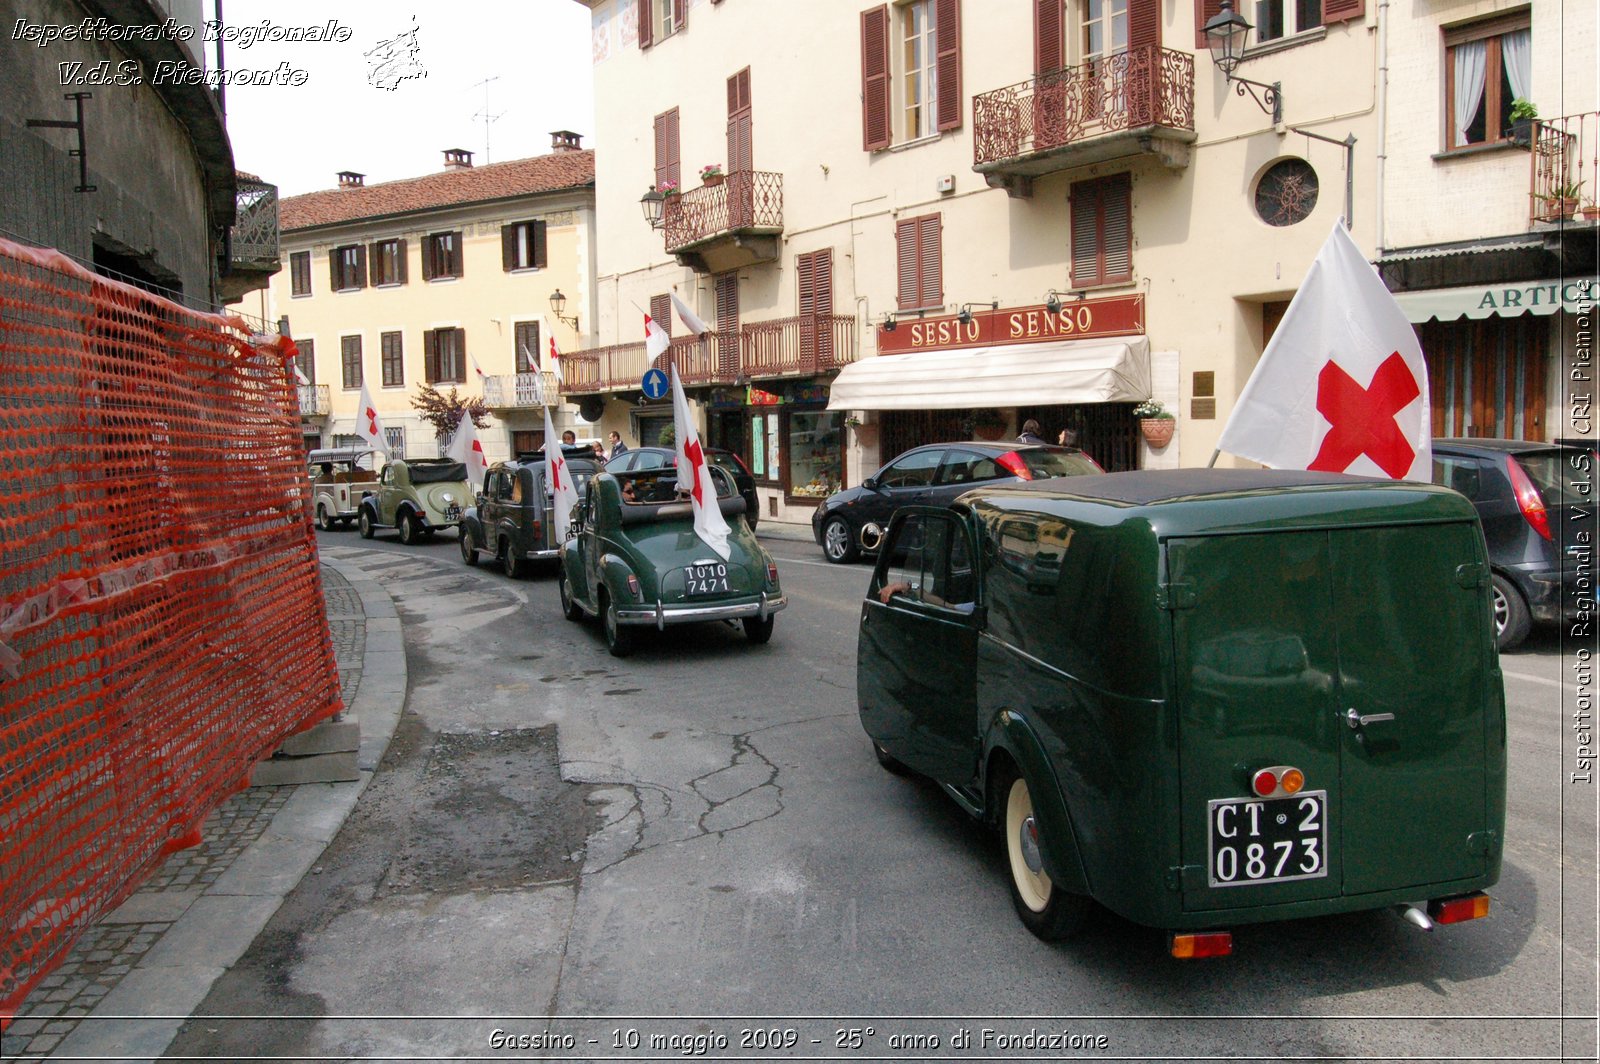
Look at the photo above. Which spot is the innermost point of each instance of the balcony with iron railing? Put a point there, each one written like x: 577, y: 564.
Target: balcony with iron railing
x: 801, y: 346
x: 252, y: 240
x: 1134, y: 103
x: 521, y: 391
x: 1564, y: 171
x: 314, y: 400
x: 726, y: 225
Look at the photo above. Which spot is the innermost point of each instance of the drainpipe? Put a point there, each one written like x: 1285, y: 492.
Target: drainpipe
x: 1383, y: 117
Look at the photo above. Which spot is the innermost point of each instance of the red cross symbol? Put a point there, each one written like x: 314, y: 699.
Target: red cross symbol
x: 372, y: 422
x: 1361, y: 420
x: 477, y: 449
x: 556, y: 466
x: 697, y: 461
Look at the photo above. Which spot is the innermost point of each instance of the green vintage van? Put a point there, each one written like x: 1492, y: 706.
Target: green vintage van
x: 1201, y: 698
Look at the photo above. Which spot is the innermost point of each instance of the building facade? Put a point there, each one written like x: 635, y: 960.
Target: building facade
x: 1482, y: 235
x: 993, y: 189
x: 445, y: 280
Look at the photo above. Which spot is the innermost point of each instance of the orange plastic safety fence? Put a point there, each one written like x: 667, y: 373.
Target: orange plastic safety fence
x: 161, y: 615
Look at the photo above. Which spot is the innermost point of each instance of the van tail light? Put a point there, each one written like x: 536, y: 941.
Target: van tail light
x: 537, y: 531
x: 1264, y: 782
x: 1012, y: 463
x: 1459, y: 910
x: 1192, y: 946
x: 1292, y: 780
x: 1528, y: 500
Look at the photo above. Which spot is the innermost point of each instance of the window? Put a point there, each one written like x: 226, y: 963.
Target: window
x: 1105, y: 28
x: 441, y: 256
x: 930, y: 562
x: 1276, y: 19
x: 910, y: 71
x: 1287, y: 192
x: 1102, y: 231
x: 526, y: 441
x: 396, y: 439
x: 816, y: 454
x: 350, y: 360
x: 348, y: 267
x: 389, y: 262
x: 526, y: 335
x: 300, y: 273
x: 764, y: 458
x: 659, y: 19
x: 394, y: 367
x: 1487, y: 66
x: 667, y: 164
x: 919, y: 259
x: 444, y: 356
x: 307, y: 359
x: 522, y: 246
x: 967, y: 467
x: 915, y: 470
x: 741, y: 150
x: 1273, y: 18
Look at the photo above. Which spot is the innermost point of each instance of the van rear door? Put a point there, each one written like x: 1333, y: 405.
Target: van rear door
x: 1357, y: 656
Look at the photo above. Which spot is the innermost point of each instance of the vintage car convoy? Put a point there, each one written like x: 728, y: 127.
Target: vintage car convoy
x: 340, y: 477
x: 514, y: 517
x: 418, y: 496
x: 640, y: 563
x: 1201, y: 698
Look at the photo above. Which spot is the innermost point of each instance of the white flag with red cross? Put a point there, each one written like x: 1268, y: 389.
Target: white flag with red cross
x: 465, y: 447
x: 694, y: 474
x: 555, y: 359
x: 478, y: 369
x: 1341, y: 387
x: 559, y: 480
x: 656, y: 340
x: 368, y: 425
x: 695, y: 323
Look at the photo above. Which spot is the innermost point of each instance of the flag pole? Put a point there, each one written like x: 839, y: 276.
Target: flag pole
x: 1214, y: 455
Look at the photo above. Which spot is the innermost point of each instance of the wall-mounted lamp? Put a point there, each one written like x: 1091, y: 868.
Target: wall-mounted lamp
x: 1226, y: 32
x: 652, y: 203
x: 558, y: 303
x: 965, y: 316
x: 888, y: 323
x: 1052, y: 301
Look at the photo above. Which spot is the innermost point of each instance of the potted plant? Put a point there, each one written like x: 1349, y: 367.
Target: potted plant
x: 866, y: 434
x: 711, y: 174
x: 1156, y: 422
x: 668, y: 188
x: 1590, y: 211
x: 1523, y: 115
x: 1562, y: 201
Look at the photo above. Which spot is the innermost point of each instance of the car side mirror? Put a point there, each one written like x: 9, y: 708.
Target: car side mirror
x: 870, y: 483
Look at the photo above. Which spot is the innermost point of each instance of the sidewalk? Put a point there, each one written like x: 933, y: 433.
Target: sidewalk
x: 133, y: 979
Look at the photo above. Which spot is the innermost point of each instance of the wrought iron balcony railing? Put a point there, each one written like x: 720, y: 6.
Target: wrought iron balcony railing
x: 518, y: 390
x: 1565, y: 167
x: 746, y: 200
x: 254, y: 237
x: 1139, y: 88
x: 314, y: 400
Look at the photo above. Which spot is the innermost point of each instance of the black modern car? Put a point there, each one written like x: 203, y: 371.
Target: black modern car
x: 1535, y: 503
x: 655, y: 457
x: 852, y: 521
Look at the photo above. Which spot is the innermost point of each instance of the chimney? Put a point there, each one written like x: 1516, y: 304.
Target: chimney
x: 565, y: 140
x: 457, y: 159
x: 351, y: 179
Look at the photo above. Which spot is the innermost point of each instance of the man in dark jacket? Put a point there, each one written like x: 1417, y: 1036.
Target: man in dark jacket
x: 617, y: 446
x: 1030, y: 432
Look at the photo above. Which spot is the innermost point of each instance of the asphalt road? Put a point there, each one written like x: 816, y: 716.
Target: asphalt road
x: 651, y: 855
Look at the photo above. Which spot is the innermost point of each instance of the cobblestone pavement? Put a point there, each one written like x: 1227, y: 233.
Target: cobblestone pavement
x: 111, y: 948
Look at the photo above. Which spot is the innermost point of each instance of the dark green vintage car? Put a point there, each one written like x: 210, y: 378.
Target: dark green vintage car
x: 634, y: 561
x: 515, y: 513
x: 1201, y: 697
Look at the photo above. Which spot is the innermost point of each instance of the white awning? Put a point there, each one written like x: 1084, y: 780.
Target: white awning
x: 1075, y: 371
x: 1507, y: 300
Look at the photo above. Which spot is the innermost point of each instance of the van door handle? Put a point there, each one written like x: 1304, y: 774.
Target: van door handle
x: 1355, y: 718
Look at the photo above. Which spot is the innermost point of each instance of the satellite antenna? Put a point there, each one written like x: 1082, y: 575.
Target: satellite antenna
x: 487, y: 117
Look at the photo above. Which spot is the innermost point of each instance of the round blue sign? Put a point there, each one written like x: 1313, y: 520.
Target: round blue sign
x: 654, y: 384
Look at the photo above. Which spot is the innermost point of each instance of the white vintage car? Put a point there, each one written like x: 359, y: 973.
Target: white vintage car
x: 340, y: 478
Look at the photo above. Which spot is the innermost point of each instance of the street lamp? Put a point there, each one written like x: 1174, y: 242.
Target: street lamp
x: 558, y: 303
x: 652, y: 203
x: 1226, y: 32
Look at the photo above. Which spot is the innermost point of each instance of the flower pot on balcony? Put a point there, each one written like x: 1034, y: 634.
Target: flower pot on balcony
x: 1591, y: 212
x: 1157, y: 431
x: 1559, y: 208
x: 1522, y: 132
x: 712, y: 180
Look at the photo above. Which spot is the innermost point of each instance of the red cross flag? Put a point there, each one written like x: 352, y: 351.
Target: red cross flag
x: 656, y: 340
x: 694, y: 473
x: 368, y: 425
x: 477, y: 368
x: 558, y: 480
x: 1342, y: 387
x: 690, y: 318
x: 555, y: 359
x: 465, y: 447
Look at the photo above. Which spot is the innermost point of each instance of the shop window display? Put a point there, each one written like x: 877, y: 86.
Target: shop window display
x: 816, y: 456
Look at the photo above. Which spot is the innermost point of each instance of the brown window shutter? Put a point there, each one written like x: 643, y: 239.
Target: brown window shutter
x: 541, y: 256
x: 1085, y: 200
x: 806, y: 275
x: 508, y: 247
x: 667, y: 163
x: 1342, y: 10
x: 458, y: 255
x: 430, y: 265
x: 948, y: 62
x: 661, y: 311
x: 678, y: 14
x: 461, y: 355
x: 740, y: 148
x: 905, y: 236
x: 822, y: 303
x: 930, y: 260
x: 374, y: 254
x: 727, y: 294
x: 1204, y: 11
x: 361, y: 266
x: 1144, y: 24
x: 876, y: 124
x: 400, y: 261
x: 1047, y: 39
x: 645, y: 29
x: 334, y: 277
x: 430, y: 357
x: 1117, y: 227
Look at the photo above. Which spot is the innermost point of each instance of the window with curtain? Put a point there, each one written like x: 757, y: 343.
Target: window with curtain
x: 1487, y: 66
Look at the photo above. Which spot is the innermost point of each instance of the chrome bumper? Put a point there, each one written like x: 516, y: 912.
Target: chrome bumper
x: 661, y: 615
